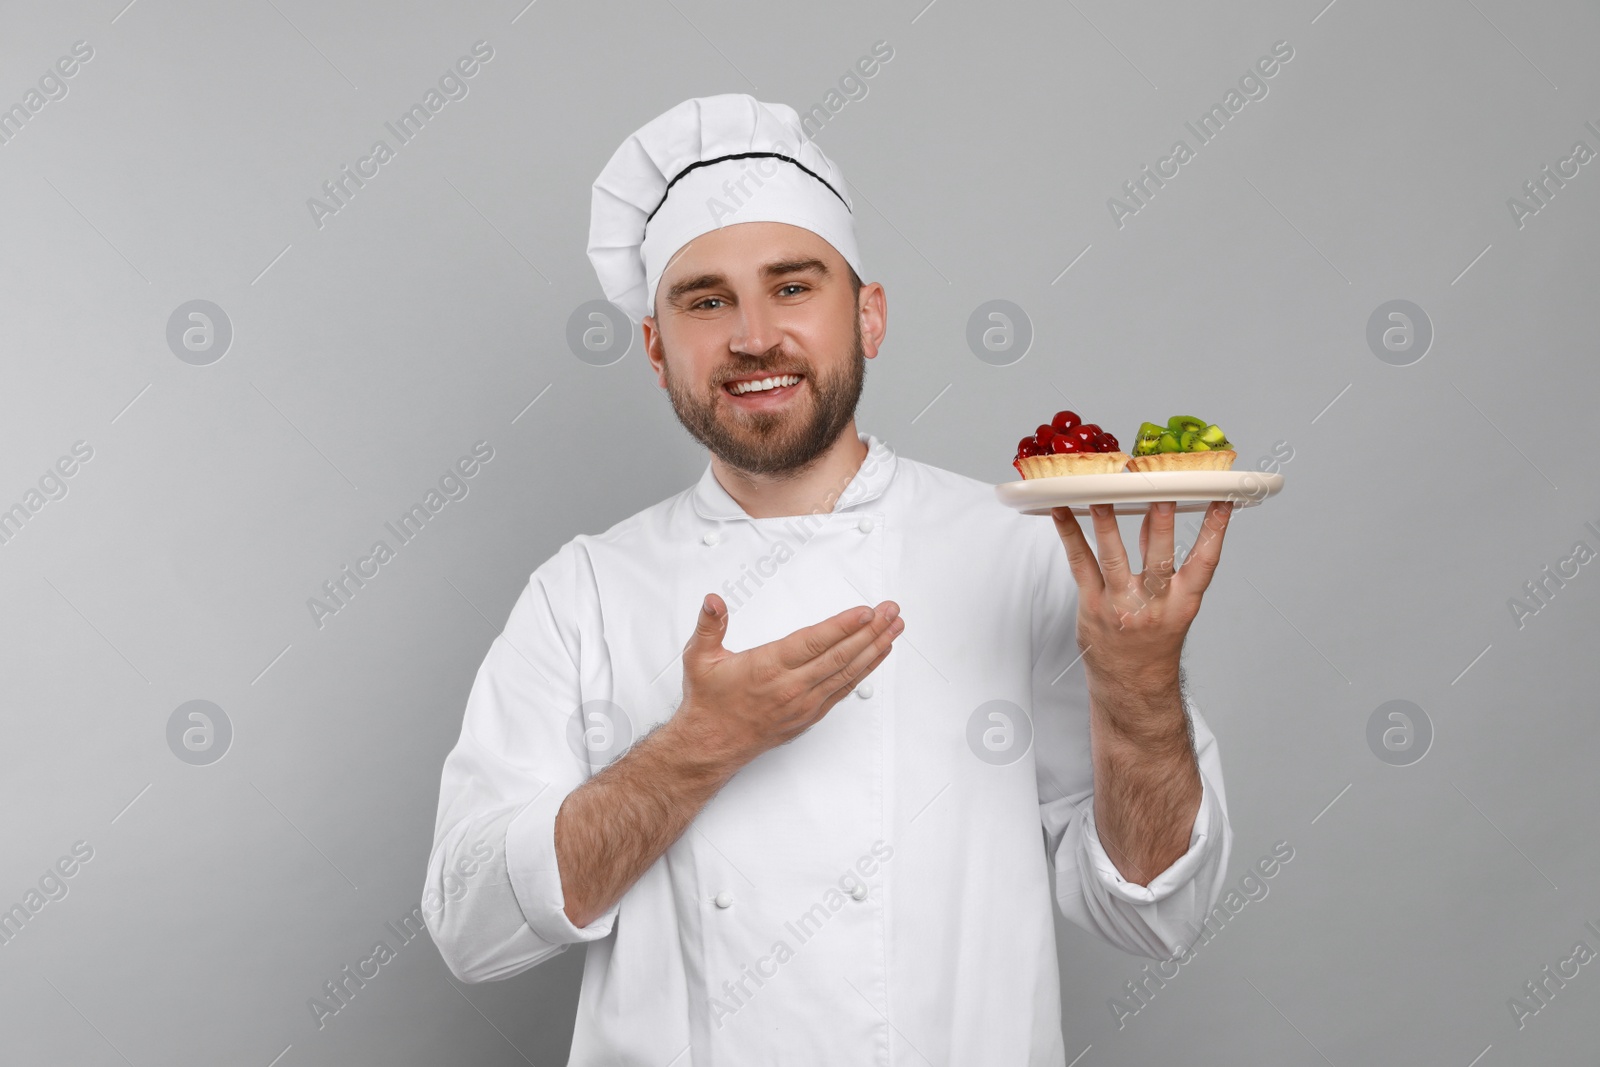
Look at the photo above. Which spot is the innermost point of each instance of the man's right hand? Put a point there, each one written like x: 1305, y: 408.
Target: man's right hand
x: 736, y: 705
x: 748, y: 702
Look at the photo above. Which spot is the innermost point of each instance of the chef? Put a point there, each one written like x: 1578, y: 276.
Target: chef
x: 796, y: 751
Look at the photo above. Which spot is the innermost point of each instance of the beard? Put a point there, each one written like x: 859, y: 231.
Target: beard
x: 770, y: 442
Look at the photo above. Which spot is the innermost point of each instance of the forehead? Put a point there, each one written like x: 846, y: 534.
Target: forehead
x: 744, y: 248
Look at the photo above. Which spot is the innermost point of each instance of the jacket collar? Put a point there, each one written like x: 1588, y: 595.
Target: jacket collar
x: 711, y: 500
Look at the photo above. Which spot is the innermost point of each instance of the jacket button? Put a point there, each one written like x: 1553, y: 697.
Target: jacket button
x: 865, y: 525
x: 724, y: 899
x: 711, y: 537
x: 859, y: 892
x: 864, y: 691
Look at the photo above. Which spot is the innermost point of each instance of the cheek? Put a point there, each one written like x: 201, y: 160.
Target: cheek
x: 694, y: 353
x: 826, y: 336
x: 692, y: 371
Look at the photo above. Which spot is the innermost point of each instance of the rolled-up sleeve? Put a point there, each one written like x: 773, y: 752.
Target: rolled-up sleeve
x: 492, y: 899
x: 1206, y: 840
x: 530, y: 862
x: 1154, y: 920
x: 1157, y: 919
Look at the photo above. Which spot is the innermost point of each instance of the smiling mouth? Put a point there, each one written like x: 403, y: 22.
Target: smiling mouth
x: 772, y: 387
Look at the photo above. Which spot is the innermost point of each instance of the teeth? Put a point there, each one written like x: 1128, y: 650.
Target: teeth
x: 740, y: 388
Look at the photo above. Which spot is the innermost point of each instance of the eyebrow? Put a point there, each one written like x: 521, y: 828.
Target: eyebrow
x: 775, y: 269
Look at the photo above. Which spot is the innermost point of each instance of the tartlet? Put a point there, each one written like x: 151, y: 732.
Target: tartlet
x: 1067, y: 445
x: 1185, y: 443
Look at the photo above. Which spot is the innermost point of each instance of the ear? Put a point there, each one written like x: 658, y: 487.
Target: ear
x: 654, y: 351
x: 872, y: 307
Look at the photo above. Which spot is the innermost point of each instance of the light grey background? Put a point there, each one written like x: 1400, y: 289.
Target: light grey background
x: 429, y: 313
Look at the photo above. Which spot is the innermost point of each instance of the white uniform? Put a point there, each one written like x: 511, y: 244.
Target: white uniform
x: 874, y: 891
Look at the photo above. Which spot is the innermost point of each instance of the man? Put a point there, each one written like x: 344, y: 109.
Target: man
x: 692, y: 748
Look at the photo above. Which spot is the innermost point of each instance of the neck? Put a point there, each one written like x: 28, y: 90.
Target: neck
x: 811, y: 491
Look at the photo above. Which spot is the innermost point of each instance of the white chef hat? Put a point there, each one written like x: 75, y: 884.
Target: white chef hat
x: 709, y: 162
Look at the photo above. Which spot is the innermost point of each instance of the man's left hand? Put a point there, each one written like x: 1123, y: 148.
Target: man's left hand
x: 1131, y: 626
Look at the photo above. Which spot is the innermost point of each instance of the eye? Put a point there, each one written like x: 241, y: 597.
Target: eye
x: 702, y: 303
x: 792, y: 285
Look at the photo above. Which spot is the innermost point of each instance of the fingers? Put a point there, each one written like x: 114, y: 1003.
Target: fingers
x: 1156, y: 546
x: 1201, y: 564
x: 807, y: 644
x: 1108, y: 546
x: 710, y: 623
x: 839, y: 658
x: 836, y: 685
x: 1085, y: 570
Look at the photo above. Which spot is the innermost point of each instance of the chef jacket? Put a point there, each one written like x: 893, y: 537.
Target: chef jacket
x: 874, y: 891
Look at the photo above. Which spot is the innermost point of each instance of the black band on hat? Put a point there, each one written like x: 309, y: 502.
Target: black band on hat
x: 742, y: 155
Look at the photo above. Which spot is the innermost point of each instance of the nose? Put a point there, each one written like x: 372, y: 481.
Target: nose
x: 755, y: 331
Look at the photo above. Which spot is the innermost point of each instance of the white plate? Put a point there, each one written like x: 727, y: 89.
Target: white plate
x: 1133, y: 491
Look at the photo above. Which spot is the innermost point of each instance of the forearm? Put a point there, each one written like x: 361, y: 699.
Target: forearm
x: 610, y: 830
x: 1147, y: 780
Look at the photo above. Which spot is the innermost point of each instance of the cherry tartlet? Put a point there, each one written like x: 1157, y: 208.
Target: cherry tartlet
x: 1068, y: 445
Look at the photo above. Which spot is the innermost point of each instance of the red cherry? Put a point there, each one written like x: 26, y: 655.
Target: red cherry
x: 1107, y: 443
x: 1084, y: 436
x: 1043, y: 435
x: 1063, y: 444
x: 1065, y: 420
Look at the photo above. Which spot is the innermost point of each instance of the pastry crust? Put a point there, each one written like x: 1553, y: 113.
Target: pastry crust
x: 1061, y: 463
x: 1219, y: 459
